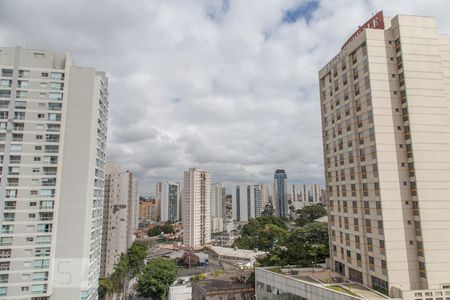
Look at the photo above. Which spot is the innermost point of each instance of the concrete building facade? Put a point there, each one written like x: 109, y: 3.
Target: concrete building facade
x: 119, y: 216
x: 169, y: 197
x: 53, y: 123
x: 280, y: 193
x: 243, y: 204
x: 386, y: 133
x: 217, y: 207
x: 196, y: 208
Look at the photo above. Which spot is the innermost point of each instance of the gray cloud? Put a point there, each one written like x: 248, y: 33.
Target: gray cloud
x: 219, y: 84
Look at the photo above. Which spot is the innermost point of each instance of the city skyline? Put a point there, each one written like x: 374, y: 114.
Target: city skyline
x: 159, y: 90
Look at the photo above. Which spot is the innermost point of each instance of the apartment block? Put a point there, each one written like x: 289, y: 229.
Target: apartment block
x: 306, y: 193
x: 53, y: 123
x: 265, y: 195
x: 196, y: 208
x: 119, y: 216
x: 217, y: 207
x: 280, y: 193
x: 243, y: 205
x: 168, y: 194
x: 385, y: 102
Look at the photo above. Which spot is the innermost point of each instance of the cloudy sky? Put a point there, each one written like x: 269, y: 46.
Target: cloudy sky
x: 230, y: 86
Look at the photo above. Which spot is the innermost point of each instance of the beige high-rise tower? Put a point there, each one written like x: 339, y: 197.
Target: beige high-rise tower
x: 196, y: 208
x: 385, y: 102
x: 119, y: 216
x: 53, y: 122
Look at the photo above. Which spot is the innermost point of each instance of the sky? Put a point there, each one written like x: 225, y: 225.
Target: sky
x: 230, y: 86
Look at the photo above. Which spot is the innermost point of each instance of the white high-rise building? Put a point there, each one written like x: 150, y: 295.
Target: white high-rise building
x: 258, y: 192
x: 53, y: 122
x: 265, y: 195
x: 308, y: 193
x: 385, y: 102
x: 217, y: 199
x: 244, y: 203
x: 169, y: 195
x: 217, y: 207
x: 196, y: 208
x: 119, y: 216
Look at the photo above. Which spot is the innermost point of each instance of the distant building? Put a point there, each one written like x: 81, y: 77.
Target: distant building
x: 217, y: 200
x: 217, y: 207
x: 119, y: 216
x: 265, y: 195
x: 244, y: 204
x: 155, y: 210
x: 168, y: 194
x: 144, y: 209
x: 197, y: 213
x: 221, y: 288
x: 307, y: 193
x: 280, y: 193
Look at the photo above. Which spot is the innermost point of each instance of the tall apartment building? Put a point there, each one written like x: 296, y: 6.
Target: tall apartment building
x: 280, y: 193
x: 217, y: 207
x: 265, y: 195
x: 243, y: 204
x: 247, y: 203
x: 53, y: 122
x: 217, y: 199
x: 119, y: 216
x: 168, y: 194
x: 196, y: 208
x: 144, y: 209
x: 308, y: 193
x: 385, y: 102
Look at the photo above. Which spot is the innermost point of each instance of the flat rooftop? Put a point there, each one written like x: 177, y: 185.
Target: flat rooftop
x: 232, y: 252
x: 328, y: 279
x: 222, y: 284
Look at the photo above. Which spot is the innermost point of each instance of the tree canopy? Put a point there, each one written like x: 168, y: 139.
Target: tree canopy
x: 126, y: 267
x: 166, y: 229
x: 310, y: 213
x: 156, y: 278
x: 303, y: 246
x: 262, y: 233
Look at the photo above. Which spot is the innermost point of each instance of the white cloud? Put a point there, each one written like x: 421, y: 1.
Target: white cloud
x: 223, y: 85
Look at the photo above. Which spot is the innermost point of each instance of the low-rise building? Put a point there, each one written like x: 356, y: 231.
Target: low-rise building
x: 180, y: 292
x: 216, y: 225
x: 232, y: 258
x: 275, y: 283
x: 224, y: 238
x: 221, y: 288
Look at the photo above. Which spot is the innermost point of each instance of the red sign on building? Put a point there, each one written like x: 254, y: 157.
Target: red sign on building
x: 376, y: 22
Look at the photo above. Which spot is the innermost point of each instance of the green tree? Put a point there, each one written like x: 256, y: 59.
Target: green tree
x: 105, y: 286
x: 303, y: 246
x: 309, y: 213
x: 166, y: 229
x: 127, y: 266
x: 136, y: 255
x: 262, y: 233
x: 156, y: 278
x: 268, y: 211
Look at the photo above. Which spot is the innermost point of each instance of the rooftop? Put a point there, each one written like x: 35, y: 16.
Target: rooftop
x: 328, y: 279
x: 233, y: 252
x: 222, y: 284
